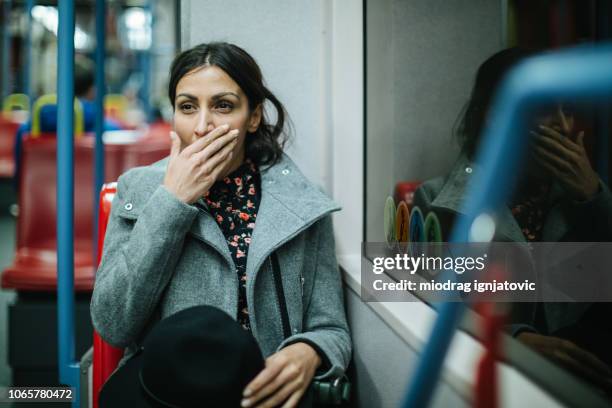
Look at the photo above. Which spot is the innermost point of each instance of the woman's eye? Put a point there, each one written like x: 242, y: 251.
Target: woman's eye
x: 187, y: 107
x: 224, y: 106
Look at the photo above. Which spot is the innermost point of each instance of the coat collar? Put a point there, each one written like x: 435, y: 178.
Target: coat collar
x: 451, y: 197
x: 289, y: 205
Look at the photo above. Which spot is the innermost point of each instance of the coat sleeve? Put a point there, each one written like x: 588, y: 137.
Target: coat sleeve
x: 325, y: 327
x: 138, y: 261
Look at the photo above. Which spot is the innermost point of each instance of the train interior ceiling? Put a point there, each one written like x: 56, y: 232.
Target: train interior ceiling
x: 381, y: 96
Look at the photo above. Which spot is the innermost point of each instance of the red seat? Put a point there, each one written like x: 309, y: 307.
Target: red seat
x: 159, y: 130
x: 105, y: 356
x: 35, y: 265
x: 8, y: 129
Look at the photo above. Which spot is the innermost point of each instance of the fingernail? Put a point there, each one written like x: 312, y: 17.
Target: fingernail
x: 245, y: 403
x: 247, y: 392
x: 236, y: 132
x: 226, y: 126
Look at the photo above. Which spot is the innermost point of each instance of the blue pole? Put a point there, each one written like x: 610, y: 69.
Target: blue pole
x: 602, y: 142
x: 100, y: 55
x: 575, y: 74
x: 6, y: 52
x: 602, y: 145
x: 27, y: 66
x: 146, y: 57
x: 68, y: 368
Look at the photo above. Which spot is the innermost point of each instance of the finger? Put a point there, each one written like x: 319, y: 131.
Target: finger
x: 282, y: 394
x: 580, y: 139
x: 264, y: 377
x: 202, y: 142
x: 552, y: 170
x: 576, y: 366
x: 559, y: 164
x: 287, y: 375
x: 222, y: 168
x: 175, y: 147
x: 564, y: 122
x: 553, y: 145
x: 569, y: 362
x: 587, y: 358
x: 562, y: 139
x: 218, y: 159
x: 294, y: 399
x: 214, y: 147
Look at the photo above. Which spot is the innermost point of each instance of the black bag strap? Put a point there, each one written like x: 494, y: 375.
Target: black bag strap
x: 333, y: 392
x: 280, y: 295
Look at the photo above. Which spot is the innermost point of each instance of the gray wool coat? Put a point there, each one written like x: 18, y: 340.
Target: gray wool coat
x: 162, y: 255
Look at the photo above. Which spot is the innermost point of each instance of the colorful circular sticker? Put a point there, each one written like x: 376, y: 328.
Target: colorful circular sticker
x: 402, y: 222
x: 389, y: 220
x: 417, y: 231
x: 433, y: 235
x: 417, y: 225
x: 433, y: 230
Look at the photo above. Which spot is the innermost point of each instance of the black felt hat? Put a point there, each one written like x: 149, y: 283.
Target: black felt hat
x: 198, y: 357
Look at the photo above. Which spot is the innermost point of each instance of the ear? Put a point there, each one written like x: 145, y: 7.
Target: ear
x: 255, y: 119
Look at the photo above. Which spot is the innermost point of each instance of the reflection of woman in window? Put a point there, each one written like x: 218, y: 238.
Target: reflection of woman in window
x: 556, y: 186
x: 216, y: 221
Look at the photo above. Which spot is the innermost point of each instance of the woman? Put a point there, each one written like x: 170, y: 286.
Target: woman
x: 210, y: 224
x: 556, y: 187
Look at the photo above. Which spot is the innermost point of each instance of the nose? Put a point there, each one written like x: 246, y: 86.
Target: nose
x: 204, y: 124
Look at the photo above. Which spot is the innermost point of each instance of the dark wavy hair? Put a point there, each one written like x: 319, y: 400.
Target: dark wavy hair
x: 264, y: 146
x: 488, y: 78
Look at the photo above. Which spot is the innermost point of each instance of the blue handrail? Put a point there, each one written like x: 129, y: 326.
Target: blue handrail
x: 68, y: 367
x: 145, y: 64
x: 100, y: 56
x: 602, y: 126
x: 6, y: 54
x: 577, y: 74
x: 27, y: 66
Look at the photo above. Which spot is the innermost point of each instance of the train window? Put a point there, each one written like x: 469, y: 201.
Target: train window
x: 141, y: 40
x: 432, y: 69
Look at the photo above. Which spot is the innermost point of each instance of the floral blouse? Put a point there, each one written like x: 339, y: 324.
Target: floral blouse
x: 530, y: 215
x: 234, y: 202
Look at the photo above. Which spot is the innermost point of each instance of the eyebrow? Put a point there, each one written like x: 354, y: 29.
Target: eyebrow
x: 222, y: 94
x: 214, y: 98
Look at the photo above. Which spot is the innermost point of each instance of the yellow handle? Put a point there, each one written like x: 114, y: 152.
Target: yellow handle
x: 51, y: 99
x: 18, y: 100
x: 116, y: 102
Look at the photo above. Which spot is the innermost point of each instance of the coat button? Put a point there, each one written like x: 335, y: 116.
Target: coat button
x: 468, y: 170
x: 295, y: 331
x: 285, y: 172
x: 128, y: 206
